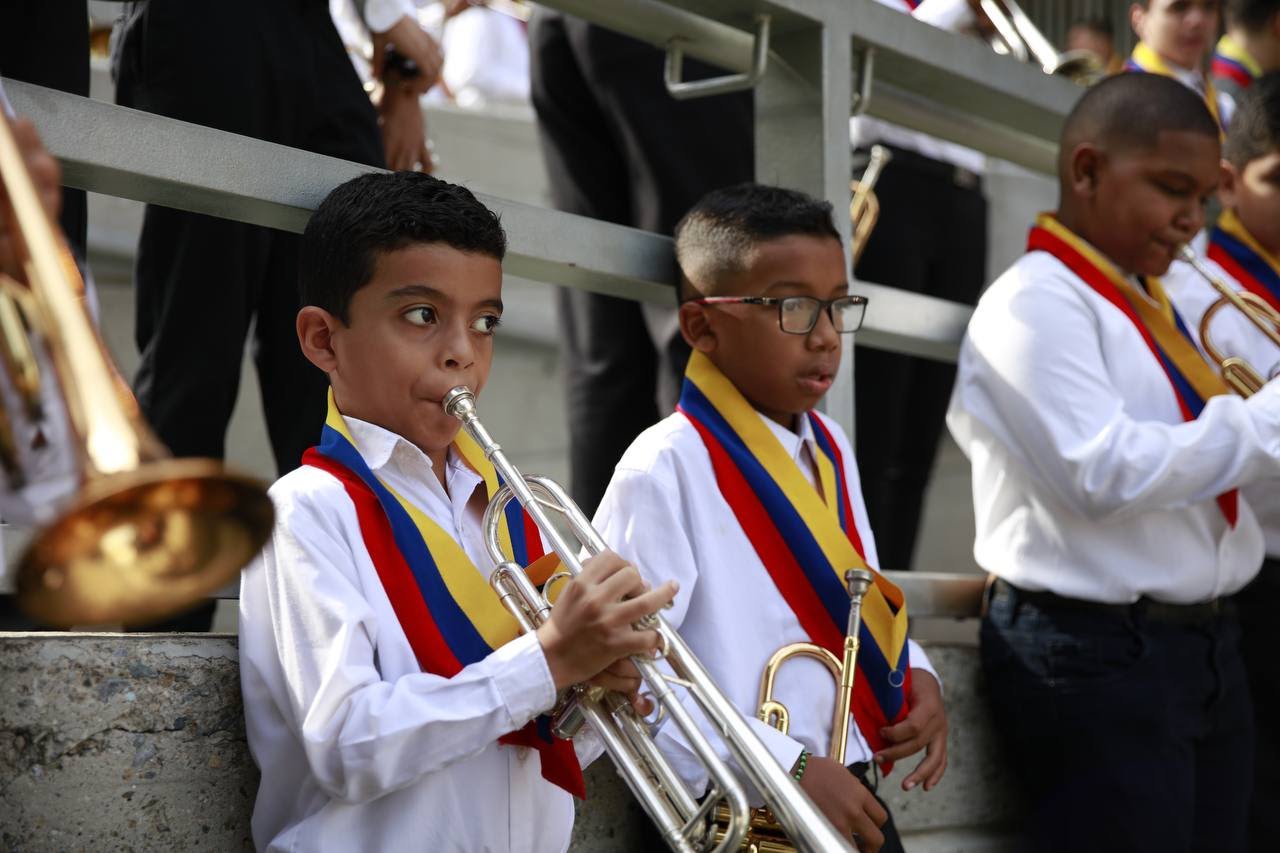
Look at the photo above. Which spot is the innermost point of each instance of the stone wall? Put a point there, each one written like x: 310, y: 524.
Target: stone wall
x: 136, y: 742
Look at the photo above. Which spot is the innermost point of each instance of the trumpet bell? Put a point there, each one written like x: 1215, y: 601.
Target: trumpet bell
x: 137, y: 545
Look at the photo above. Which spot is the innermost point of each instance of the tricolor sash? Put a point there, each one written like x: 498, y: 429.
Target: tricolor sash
x: 444, y: 604
x: 806, y: 542
x: 1232, y: 62
x: 1234, y: 249
x: 1192, y: 378
x: 1145, y: 59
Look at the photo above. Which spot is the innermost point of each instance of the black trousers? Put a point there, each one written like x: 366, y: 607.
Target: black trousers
x: 46, y: 42
x: 1260, y: 630
x: 931, y: 238
x: 1128, y: 733
x: 618, y: 148
x: 270, y: 69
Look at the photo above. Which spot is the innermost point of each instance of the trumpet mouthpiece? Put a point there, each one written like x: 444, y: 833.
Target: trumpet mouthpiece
x: 1185, y: 253
x: 858, y: 580
x: 459, y: 402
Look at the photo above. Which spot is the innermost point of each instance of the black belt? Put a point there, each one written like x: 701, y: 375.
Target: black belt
x: 1144, y: 609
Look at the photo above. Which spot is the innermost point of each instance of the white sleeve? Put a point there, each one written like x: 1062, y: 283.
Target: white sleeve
x: 381, y: 15
x: 953, y: 15
x: 364, y: 736
x: 1033, y: 374
x: 639, y: 518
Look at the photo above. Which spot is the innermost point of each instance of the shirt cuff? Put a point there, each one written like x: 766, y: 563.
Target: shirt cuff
x: 381, y: 15
x: 523, y: 679
x: 917, y: 659
x: 784, y: 748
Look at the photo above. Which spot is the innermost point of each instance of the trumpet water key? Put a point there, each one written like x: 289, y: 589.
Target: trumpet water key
x: 684, y: 822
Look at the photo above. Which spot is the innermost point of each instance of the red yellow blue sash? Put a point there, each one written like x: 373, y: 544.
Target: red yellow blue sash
x: 1232, y: 62
x: 1193, y: 379
x: 806, y: 542
x: 1234, y: 249
x: 1145, y: 59
x: 444, y: 604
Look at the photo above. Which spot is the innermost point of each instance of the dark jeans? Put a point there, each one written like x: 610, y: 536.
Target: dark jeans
x: 931, y: 238
x: 1126, y: 732
x: 1260, y: 630
x: 619, y: 148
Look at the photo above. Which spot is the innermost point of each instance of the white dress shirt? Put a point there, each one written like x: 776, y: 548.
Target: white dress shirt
x: 664, y: 511
x: 1193, y: 79
x: 1086, y: 481
x: 1232, y: 334
x: 359, y: 749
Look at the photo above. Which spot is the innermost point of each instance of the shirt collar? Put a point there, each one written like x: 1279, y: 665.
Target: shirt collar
x: 383, y: 449
x: 793, y: 441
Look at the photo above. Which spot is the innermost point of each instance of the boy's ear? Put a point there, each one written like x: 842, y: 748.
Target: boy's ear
x: 1137, y: 18
x: 315, y: 335
x: 1228, y: 185
x: 696, y: 328
x: 1086, y: 167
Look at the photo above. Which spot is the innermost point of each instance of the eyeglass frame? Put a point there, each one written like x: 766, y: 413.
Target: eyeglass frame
x: 827, y: 304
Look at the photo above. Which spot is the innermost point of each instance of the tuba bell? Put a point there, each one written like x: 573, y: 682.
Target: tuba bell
x: 145, y: 535
x: 1238, y: 373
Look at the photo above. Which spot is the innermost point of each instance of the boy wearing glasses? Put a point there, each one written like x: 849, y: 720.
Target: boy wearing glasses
x: 750, y: 501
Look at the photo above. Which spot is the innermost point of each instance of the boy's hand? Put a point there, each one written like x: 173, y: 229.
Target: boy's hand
x: 847, y: 803
x: 924, y: 728
x: 415, y: 43
x: 590, y: 625
x: 47, y: 177
x: 404, y: 135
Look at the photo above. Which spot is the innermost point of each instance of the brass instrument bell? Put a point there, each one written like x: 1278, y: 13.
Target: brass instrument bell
x: 146, y: 535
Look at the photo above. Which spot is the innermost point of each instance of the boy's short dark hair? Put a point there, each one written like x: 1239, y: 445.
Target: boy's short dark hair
x: 1252, y: 15
x: 381, y: 212
x: 715, y: 236
x: 1131, y: 111
x: 1255, y: 128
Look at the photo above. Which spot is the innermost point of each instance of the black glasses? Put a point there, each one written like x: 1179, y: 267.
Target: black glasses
x: 797, y: 315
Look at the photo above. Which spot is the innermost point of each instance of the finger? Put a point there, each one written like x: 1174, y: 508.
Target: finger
x: 424, y: 157
x: 928, y: 765
x: 623, y: 583
x: 872, y: 808
x: 648, y: 602
x: 642, y: 704
x: 619, y: 685
x: 870, y: 838
x: 901, y: 750
x: 637, y: 643
x: 601, y: 566
x: 905, y: 730
x: 934, y: 779
x: 623, y: 668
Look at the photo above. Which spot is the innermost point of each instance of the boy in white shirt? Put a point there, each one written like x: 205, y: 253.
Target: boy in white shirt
x: 750, y: 500
x: 1175, y: 38
x: 1107, y: 456
x: 390, y: 703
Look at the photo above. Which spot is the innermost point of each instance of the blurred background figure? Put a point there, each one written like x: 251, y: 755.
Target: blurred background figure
x: 1097, y: 36
x: 617, y: 147
x: 279, y: 73
x: 1249, y: 48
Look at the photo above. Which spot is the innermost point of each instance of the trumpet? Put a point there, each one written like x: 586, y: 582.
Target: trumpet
x: 1018, y: 36
x: 145, y: 535
x: 1243, y: 377
x: 765, y: 835
x: 864, y: 207
x: 684, y: 823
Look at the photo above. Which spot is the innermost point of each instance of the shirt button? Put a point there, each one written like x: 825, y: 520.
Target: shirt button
x: 522, y: 753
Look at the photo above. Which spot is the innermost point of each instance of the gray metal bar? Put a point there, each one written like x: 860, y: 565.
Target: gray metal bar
x: 941, y: 83
x: 138, y: 155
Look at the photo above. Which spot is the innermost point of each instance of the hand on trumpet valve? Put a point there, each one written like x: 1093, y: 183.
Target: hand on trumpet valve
x: 48, y: 179
x: 847, y: 803
x: 590, y: 633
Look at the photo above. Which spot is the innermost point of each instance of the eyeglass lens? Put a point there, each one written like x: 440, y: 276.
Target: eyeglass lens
x: 799, y: 314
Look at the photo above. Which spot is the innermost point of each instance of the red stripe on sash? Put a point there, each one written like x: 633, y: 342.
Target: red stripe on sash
x: 767, y: 541
x: 1222, y: 258
x: 559, y: 761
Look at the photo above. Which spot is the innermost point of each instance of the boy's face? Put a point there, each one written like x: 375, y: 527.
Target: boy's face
x: 781, y: 374
x: 1081, y: 37
x: 422, y: 325
x: 1140, y: 204
x: 1181, y: 31
x: 1254, y: 193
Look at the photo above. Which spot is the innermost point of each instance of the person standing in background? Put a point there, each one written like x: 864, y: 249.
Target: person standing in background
x: 620, y: 149
x: 1097, y: 36
x: 273, y: 70
x: 938, y: 248
x: 1249, y: 48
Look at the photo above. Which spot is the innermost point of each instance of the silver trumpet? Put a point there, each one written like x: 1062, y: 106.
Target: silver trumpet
x: 683, y: 821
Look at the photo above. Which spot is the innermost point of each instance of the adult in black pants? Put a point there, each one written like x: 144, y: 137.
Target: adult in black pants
x: 1260, y: 636
x: 931, y: 238
x: 619, y: 148
x: 271, y: 69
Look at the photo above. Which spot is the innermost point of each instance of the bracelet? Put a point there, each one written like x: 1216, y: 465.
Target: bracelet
x: 801, y: 763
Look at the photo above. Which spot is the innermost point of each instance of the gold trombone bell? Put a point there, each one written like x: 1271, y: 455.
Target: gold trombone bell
x: 864, y: 207
x: 146, y: 535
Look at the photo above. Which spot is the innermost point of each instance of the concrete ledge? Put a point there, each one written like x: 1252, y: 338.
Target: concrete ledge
x: 136, y: 742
